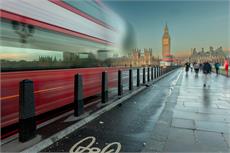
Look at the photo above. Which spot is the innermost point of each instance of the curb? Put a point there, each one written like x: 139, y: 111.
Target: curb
x: 49, y: 141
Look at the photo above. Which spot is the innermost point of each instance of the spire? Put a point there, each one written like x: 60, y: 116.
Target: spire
x: 166, y: 28
x: 166, y: 31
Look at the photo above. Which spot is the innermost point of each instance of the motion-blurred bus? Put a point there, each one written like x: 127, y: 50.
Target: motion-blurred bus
x: 49, y: 41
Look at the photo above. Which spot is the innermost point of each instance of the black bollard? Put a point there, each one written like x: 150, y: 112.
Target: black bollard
x: 143, y: 75
x: 151, y: 73
x: 155, y: 72
x: 158, y: 71
x: 148, y: 74
x: 27, y: 124
x: 78, y: 96
x: 120, y: 86
x: 104, y: 88
x: 130, y: 79
x: 138, y: 77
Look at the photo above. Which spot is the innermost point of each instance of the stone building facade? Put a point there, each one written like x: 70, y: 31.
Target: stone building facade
x: 137, y: 58
x: 217, y: 55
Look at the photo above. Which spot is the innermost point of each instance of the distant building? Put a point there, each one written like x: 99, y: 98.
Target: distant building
x: 137, y: 58
x: 167, y: 58
x: 212, y: 55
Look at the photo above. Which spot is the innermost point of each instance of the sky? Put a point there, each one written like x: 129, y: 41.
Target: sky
x: 28, y: 54
x: 192, y: 24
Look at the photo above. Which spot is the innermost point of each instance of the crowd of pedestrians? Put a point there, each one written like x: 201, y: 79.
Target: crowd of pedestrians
x: 206, y: 68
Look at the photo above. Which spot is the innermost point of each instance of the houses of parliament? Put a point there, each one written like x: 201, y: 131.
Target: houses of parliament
x: 212, y: 55
x: 138, y: 57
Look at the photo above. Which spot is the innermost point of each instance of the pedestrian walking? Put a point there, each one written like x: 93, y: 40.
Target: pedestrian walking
x: 201, y: 66
x: 226, y: 67
x: 217, y: 67
x: 207, y: 69
x: 196, y: 68
x: 187, y: 65
x: 191, y: 67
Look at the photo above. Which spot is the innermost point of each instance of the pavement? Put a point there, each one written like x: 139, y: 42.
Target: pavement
x: 195, y: 118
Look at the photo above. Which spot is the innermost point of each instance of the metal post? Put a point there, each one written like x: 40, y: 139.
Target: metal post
x: 158, y: 71
x: 27, y: 124
x: 138, y: 77
x: 104, y: 88
x: 148, y: 73
x: 143, y: 75
x: 155, y: 72
x: 78, y: 96
x: 151, y: 73
x: 120, y: 86
x: 161, y: 71
x: 130, y: 79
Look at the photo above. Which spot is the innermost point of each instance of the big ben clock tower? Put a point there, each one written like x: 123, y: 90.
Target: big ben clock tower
x: 166, y: 43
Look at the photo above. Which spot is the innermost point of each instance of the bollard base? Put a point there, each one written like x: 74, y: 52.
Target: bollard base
x: 105, y: 97
x: 79, y: 108
x: 27, y: 129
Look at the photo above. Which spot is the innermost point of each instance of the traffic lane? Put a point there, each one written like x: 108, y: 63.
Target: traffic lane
x: 128, y: 124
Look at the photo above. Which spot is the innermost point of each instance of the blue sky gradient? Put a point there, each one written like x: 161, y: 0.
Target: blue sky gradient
x: 191, y: 23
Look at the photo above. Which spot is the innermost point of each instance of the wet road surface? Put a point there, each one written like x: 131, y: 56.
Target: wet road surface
x: 128, y: 124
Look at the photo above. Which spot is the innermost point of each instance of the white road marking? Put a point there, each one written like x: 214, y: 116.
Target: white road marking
x: 78, y: 148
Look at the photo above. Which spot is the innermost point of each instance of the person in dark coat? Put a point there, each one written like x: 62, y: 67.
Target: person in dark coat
x: 187, y: 66
x: 196, y: 67
x: 207, y: 69
x: 217, y: 67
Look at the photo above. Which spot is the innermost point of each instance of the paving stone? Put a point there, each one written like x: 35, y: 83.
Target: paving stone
x: 205, y: 105
x: 181, y: 135
x: 223, y: 106
x: 183, y: 123
x: 188, y: 115
x: 181, y: 140
x: 186, y: 109
x: 200, y: 116
x: 214, y: 111
x: 212, y: 126
x: 211, y: 141
x: 227, y: 139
